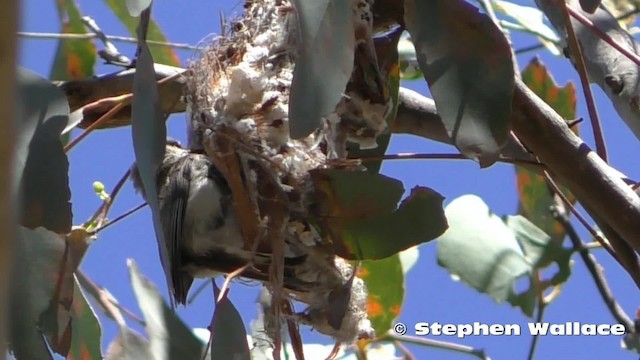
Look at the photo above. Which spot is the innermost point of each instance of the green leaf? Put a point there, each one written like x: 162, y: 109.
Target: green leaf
x: 229, y: 334
x: 489, y: 256
x: 87, y: 334
x: 536, y: 197
x: 162, y: 54
x: 41, y: 164
x: 38, y: 255
x: 387, y: 55
x: 360, y: 213
x: 467, y: 62
x: 74, y: 58
x: 169, y: 337
x: 319, y: 81
x: 385, y: 283
x: 149, y: 138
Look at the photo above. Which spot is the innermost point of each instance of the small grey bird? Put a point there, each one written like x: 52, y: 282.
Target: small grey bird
x: 200, y: 229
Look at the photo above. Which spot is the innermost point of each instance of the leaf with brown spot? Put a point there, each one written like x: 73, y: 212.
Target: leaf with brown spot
x: 359, y: 212
x: 74, y: 59
x: 385, y: 283
x: 536, y: 197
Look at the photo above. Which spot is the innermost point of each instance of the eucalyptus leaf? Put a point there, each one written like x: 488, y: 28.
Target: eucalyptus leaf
x: 169, y: 337
x: 468, y: 64
x: 319, y: 81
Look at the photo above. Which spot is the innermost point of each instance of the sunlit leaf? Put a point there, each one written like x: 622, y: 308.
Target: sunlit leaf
x: 360, y: 212
x: 489, y: 256
x: 537, y: 199
x: 531, y: 19
x: 169, y: 337
x: 74, y: 58
x: 467, y: 62
x: 385, y: 283
x: 162, y: 54
x: 319, y: 81
x: 41, y: 164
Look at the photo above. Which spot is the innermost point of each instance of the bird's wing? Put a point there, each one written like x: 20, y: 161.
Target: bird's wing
x: 172, y: 212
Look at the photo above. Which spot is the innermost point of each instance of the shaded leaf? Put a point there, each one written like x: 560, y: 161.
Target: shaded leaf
x: 385, y: 284
x: 590, y: 6
x: 169, y: 337
x: 319, y: 81
x: 87, y: 334
x: 38, y: 254
x: 387, y: 55
x: 467, y: 62
x: 360, y: 213
x: 162, y: 54
x: 229, y: 334
x: 149, y: 138
x: 74, y: 58
x: 483, y: 252
x: 537, y: 199
x: 41, y: 166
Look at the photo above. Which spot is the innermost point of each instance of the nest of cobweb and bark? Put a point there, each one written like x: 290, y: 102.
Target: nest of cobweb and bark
x: 238, y: 101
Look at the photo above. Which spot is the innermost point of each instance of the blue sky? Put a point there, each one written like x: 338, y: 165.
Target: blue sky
x: 431, y: 295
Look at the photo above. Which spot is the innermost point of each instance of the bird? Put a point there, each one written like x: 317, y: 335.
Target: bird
x: 200, y: 228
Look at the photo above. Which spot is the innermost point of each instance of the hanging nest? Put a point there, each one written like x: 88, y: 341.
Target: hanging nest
x: 238, y: 100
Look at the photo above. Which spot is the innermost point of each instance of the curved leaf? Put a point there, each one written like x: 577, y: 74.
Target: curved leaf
x: 385, y: 284
x: 229, y: 334
x: 162, y: 54
x: 467, y: 62
x: 74, y: 58
x: 485, y: 253
x: 169, y: 337
x: 319, y: 81
x: 87, y: 334
x: 38, y: 254
x: 41, y: 166
x: 359, y: 211
x: 149, y: 134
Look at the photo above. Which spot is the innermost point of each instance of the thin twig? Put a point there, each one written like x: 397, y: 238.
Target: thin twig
x: 540, y: 315
x: 581, y: 67
x: 118, y: 218
x: 197, y: 292
x: 105, y: 300
x: 110, y: 53
x: 444, y: 345
x: 449, y: 156
x: 101, y: 213
x: 408, y: 355
x: 122, y: 101
x: 580, y: 217
x: 85, y: 36
x: 596, y: 273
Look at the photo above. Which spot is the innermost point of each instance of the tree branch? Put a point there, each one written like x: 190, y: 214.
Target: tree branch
x: 617, y: 75
x: 596, y: 185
